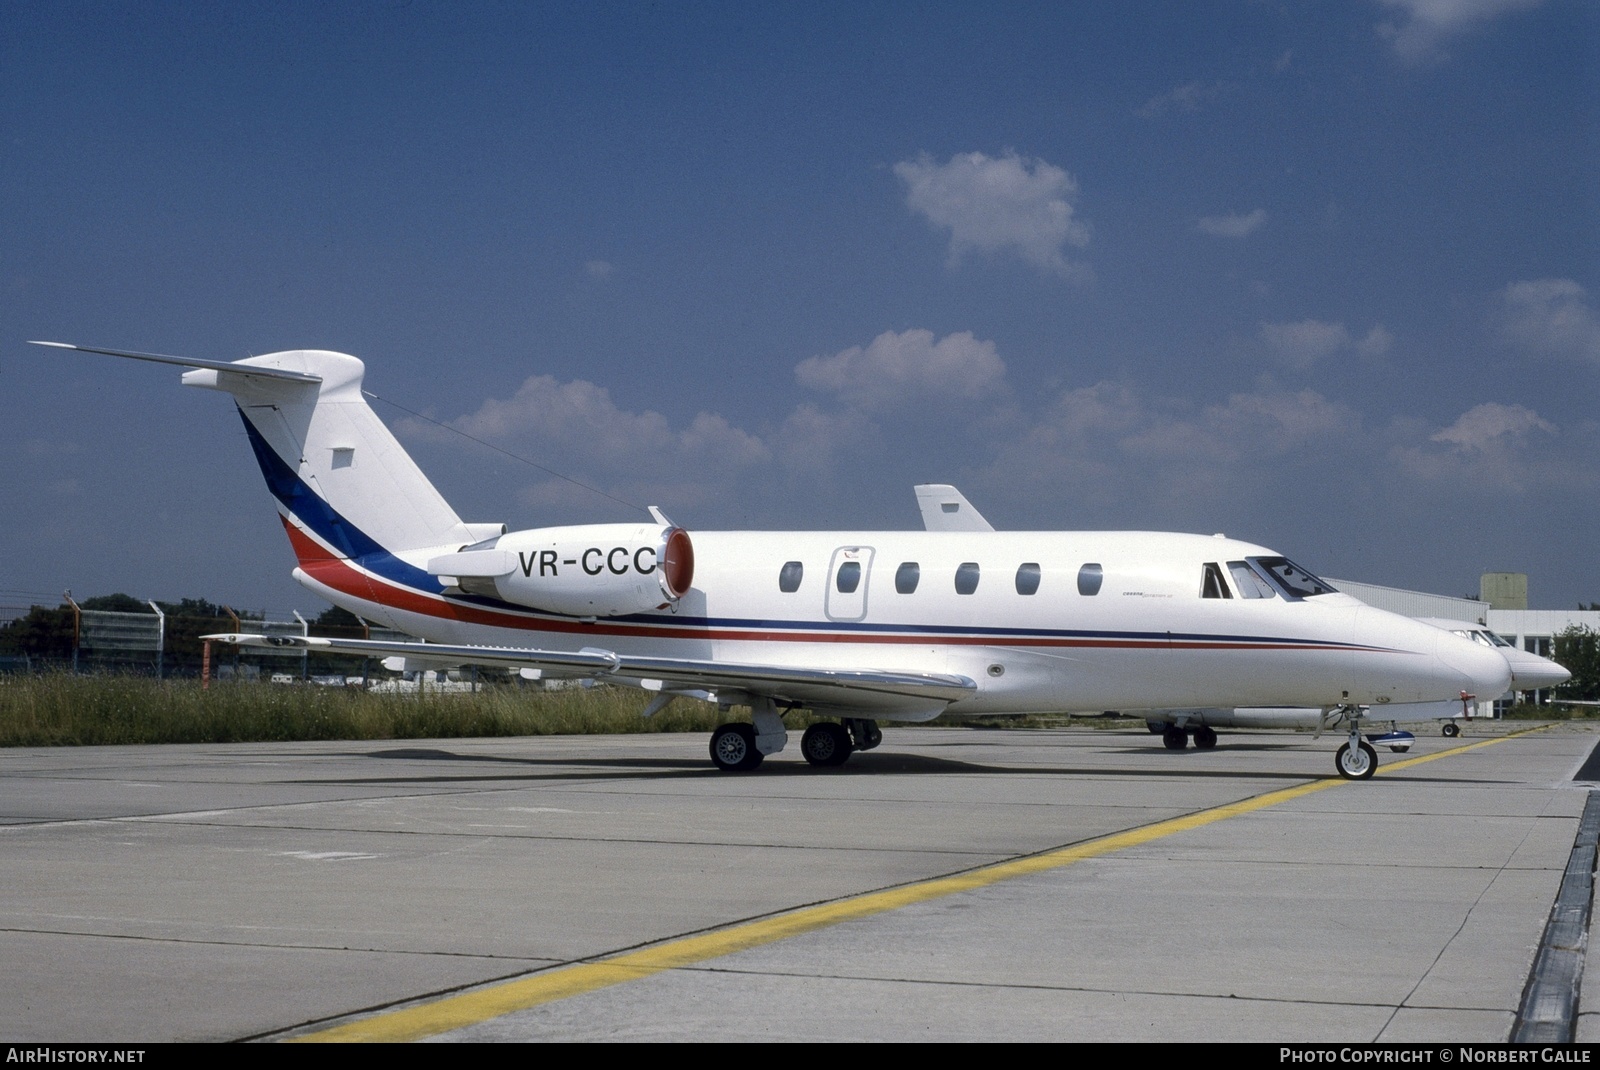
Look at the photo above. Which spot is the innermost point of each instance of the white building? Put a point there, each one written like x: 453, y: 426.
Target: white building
x: 1533, y: 630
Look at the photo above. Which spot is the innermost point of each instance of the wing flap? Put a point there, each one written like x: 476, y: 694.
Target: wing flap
x: 866, y: 690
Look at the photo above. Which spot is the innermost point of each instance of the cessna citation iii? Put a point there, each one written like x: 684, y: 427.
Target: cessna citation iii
x: 858, y: 627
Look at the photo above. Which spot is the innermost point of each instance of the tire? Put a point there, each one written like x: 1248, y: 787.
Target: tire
x: 825, y: 744
x: 1174, y: 738
x: 1156, y: 727
x: 1451, y: 730
x: 1205, y: 737
x: 1359, y: 764
x: 733, y: 748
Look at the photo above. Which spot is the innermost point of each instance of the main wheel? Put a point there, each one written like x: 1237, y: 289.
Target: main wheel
x: 733, y: 748
x: 1156, y: 727
x: 1205, y: 737
x: 1451, y: 729
x: 1174, y: 738
x: 825, y: 743
x: 1357, y: 764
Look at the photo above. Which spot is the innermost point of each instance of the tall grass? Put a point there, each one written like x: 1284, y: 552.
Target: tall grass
x: 66, y: 710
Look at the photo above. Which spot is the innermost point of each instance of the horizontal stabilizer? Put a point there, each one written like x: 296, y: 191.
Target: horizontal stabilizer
x: 256, y: 371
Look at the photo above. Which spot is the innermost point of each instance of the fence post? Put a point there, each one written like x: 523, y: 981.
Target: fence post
x: 77, y: 628
x: 305, y: 654
x: 161, y: 638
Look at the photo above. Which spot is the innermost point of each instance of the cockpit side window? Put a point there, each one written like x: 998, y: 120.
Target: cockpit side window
x: 1292, y: 581
x: 1211, y: 582
x: 789, y: 576
x: 1249, y: 582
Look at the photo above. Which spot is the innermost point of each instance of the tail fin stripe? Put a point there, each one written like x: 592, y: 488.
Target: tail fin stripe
x: 321, y: 520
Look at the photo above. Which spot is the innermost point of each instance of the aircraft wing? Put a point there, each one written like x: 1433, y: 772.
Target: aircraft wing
x: 865, y: 691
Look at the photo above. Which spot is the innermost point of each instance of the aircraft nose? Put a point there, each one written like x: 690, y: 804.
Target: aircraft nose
x: 1487, y: 674
x: 1537, y: 674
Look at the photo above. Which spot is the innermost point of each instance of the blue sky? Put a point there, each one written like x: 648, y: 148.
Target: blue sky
x: 1318, y: 275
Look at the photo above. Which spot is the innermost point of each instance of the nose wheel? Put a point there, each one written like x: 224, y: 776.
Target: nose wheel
x: 1358, y: 762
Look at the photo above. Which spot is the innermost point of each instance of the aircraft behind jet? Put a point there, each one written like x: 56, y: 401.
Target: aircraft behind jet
x: 856, y: 627
x: 1529, y: 672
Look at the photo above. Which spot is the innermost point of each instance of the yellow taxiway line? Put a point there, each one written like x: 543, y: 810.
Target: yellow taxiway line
x: 480, y: 1005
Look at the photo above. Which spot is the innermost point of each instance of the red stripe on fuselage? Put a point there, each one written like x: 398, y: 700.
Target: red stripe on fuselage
x: 341, y: 575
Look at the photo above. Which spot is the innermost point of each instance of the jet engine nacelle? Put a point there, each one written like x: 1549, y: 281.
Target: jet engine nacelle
x: 589, y: 570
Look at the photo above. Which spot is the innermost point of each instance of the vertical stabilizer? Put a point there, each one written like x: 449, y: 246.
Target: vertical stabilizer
x: 338, y: 473
x: 946, y: 509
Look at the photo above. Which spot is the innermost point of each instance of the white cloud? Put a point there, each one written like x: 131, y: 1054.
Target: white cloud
x: 575, y: 426
x: 598, y: 269
x: 1425, y: 25
x: 999, y: 204
x: 1234, y: 224
x: 1552, y: 317
x: 912, y: 406
x: 1301, y: 345
x: 897, y: 368
x: 1377, y: 342
x: 1493, y: 450
x: 1257, y: 425
x: 1491, y: 425
x: 1184, y: 98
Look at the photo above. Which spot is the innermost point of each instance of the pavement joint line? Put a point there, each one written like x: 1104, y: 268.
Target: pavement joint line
x: 433, y: 1017
x: 269, y: 945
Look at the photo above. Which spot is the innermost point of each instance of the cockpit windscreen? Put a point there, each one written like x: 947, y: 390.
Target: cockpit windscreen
x: 1290, y: 579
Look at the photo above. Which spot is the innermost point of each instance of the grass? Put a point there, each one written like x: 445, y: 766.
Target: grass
x: 66, y: 710
x: 1555, y: 711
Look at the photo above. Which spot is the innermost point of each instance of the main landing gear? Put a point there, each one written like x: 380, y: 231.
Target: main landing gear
x: 739, y: 748
x: 1176, y: 738
x: 733, y: 748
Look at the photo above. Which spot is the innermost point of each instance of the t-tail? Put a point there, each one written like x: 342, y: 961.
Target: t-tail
x: 362, y: 518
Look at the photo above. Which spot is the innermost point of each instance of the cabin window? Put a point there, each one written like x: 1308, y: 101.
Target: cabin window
x: 907, y: 576
x: 1028, y: 578
x: 849, y: 577
x: 1249, y: 583
x: 1211, y: 582
x: 1089, y: 579
x: 966, y: 577
x: 789, y: 576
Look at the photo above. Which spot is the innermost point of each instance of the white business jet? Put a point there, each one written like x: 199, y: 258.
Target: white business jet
x: 1529, y: 672
x: 860, y: 627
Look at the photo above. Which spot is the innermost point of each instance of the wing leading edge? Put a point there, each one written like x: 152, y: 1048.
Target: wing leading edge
x: 867, y: 691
